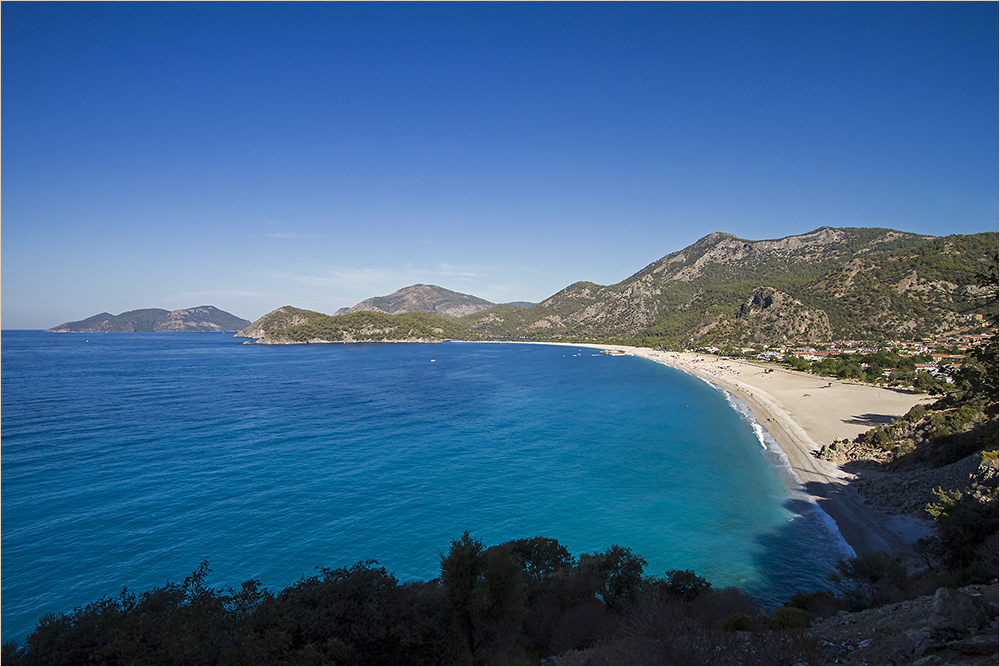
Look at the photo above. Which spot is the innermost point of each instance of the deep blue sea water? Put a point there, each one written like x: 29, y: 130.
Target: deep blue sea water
x: 127, y: 459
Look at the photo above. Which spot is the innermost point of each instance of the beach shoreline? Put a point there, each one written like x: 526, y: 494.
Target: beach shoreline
x: 803, y: 412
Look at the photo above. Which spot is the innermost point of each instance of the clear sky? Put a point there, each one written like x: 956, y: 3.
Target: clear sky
x: 252, y: 155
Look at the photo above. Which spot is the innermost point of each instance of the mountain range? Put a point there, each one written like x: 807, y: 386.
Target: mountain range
x: 831, y: 283
x: 199, y: 319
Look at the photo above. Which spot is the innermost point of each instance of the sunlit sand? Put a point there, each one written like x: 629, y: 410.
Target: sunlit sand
x: 804, y: 412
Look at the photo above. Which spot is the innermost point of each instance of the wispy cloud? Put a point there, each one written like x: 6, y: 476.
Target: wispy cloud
x: 456, y: 271
x: 330, y: 277
x: 277, y: 229
x: 294, y: 236
x: 212, y: 295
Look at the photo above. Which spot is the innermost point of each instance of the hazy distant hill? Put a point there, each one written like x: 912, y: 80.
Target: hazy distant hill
x: 199, y: 319
x: 422, y: 299
x: 825, y: 285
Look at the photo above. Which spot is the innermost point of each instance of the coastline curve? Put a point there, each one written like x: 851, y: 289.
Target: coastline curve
x: 800, y: 411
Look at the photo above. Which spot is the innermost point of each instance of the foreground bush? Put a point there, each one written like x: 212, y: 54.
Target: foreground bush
x: 514, y: 603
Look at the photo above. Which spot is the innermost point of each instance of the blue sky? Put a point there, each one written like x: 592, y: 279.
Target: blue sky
x: 252, y: 155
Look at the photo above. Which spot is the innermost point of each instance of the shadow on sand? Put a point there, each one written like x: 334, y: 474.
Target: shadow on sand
x: 870, y: 419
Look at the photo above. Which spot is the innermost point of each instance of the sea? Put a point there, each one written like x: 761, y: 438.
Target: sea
x: 128, y: 459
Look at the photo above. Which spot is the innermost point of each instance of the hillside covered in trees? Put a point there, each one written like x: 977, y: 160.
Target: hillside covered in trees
x: 829, y: 284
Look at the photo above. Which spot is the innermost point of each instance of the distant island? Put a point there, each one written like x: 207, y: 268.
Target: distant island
x: 149, y: 320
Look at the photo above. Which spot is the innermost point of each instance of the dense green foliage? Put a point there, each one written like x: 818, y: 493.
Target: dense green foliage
x: 511, y: 603
x: 871, y: 368
x: 373, y: 326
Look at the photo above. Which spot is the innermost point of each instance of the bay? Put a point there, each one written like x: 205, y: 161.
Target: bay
x: 127, y: 459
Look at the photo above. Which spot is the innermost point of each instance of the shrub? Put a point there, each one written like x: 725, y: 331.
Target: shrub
x: 616, y: 572
x: 819, y: 603
x: 916, y: 413
x: 740, y: 622
x: 883, y: 440
x: 787, y: 618
x: 963, y: 416
x: 871, y: 579
x: 963, y: 525
x: 682, y: 585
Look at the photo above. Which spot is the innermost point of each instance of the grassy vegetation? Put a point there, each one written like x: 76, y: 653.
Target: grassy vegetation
x: 372, y: 326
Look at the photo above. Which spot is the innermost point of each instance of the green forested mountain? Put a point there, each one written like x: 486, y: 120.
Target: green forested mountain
x: 825, y: 285
x: 370, y: 326
x: 201, y: 318
x: 912, y: 292
x: 277, y: 319
x: 288, y: 325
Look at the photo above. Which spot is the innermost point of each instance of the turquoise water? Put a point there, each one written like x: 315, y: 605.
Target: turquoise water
x: 127, y: 459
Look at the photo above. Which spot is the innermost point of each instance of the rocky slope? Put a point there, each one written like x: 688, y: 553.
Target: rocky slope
x: 829, y: 283
x: 199, y: 319
x: 899, y: 465
x: 951, y: 627
x: 422, y: 299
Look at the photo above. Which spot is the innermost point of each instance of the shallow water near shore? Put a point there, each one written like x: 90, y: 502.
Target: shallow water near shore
x: 127, y: 459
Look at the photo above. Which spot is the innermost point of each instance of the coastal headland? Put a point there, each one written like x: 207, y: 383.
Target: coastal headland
x: 803, y: 412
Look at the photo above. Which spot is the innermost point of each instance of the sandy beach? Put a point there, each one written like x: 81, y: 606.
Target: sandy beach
x: 804, y: 412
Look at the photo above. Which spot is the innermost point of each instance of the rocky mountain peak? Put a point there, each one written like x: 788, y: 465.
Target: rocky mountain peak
x: 422, y: 299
